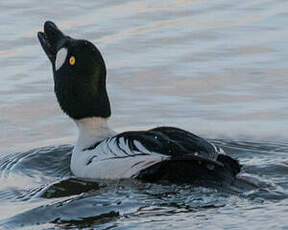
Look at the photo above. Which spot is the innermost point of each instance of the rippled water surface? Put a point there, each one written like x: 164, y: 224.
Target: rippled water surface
x: 217, y: 68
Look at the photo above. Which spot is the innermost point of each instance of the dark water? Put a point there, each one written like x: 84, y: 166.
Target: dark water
x: 217, y: 68
x: 39, y: 191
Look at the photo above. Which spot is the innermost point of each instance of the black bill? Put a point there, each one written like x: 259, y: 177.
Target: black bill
x: 52, y: 39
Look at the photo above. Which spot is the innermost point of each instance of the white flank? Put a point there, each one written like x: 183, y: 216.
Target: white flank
x: 109, y: 160
x: 60, y: 58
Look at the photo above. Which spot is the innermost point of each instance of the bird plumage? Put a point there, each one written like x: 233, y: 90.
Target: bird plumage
x: 162, y: 153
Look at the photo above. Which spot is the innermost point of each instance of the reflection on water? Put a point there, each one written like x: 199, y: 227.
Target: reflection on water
x: 215, y: 68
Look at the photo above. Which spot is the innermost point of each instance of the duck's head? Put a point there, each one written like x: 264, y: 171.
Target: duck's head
x: 79, y: 74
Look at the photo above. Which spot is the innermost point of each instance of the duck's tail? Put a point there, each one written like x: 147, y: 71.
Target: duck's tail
x: 191, y: 169
x: 231, y: 164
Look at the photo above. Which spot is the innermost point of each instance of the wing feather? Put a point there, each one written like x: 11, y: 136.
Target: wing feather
x: 143, y: 154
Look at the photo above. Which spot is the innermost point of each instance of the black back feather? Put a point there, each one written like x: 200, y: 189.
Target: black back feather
x: 193, y: 159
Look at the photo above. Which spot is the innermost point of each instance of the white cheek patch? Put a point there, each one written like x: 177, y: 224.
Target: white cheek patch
x: 60, y: 58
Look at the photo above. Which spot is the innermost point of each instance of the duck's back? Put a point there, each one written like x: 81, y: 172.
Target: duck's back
x: 163, y: 153
x: 191, y: 158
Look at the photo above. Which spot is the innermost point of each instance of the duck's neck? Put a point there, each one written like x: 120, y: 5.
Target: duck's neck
x: 92, y: 130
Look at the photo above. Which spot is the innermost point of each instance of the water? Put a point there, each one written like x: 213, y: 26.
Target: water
x: 217, y: 68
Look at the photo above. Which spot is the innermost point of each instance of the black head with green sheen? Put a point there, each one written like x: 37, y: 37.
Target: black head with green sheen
x: 79, y: 74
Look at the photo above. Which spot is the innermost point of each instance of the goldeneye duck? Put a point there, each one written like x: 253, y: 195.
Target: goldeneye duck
x: 162, y: 153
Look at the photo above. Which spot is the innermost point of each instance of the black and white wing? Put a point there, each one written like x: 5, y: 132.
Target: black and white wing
x: 158, y: 153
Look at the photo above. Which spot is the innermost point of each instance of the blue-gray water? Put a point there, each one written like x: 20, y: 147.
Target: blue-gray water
x: 217, y: 68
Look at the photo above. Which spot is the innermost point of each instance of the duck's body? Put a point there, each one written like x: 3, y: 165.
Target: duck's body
x: 163, y: 153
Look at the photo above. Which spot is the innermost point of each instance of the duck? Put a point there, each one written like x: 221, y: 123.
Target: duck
x: 159, y: 154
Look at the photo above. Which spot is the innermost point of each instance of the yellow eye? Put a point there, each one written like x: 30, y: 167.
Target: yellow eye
x: 72, y: 60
